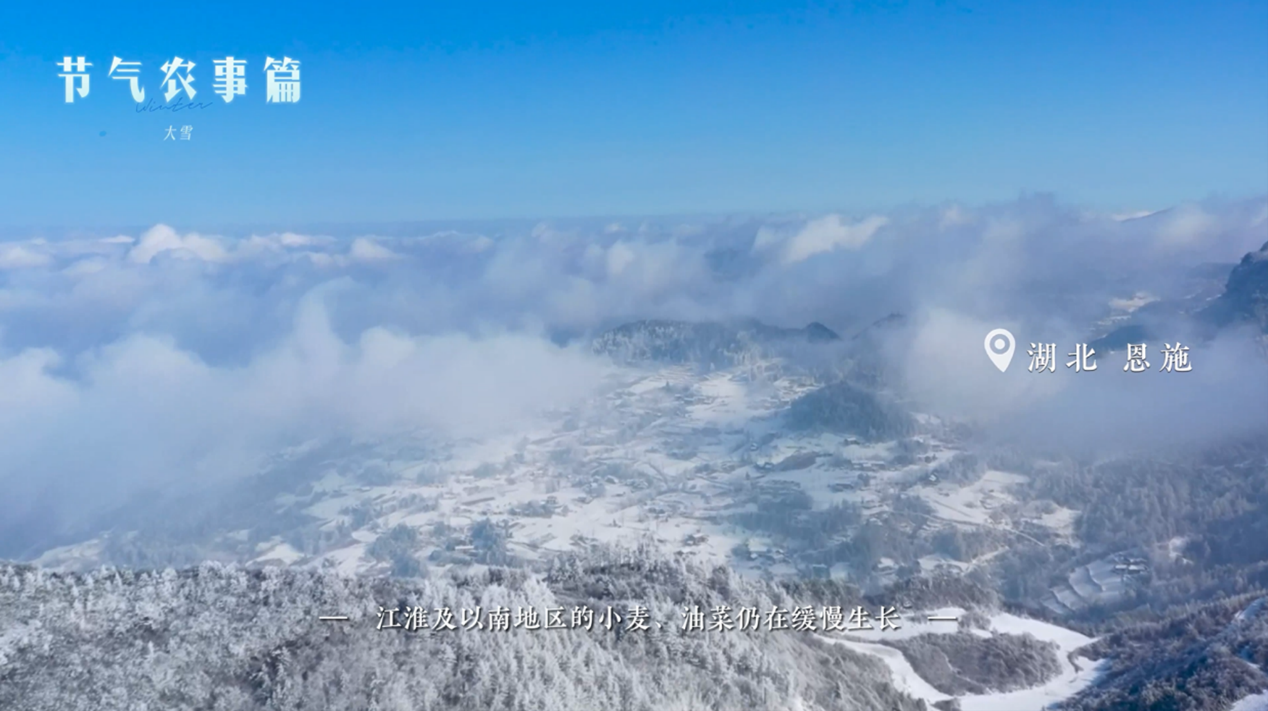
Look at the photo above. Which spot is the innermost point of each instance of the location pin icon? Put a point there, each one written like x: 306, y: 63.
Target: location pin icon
x: 999, y: 346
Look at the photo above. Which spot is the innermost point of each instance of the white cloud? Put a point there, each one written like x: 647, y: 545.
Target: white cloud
x: 119, y: 357
x: 84, y: 267
x: 365, y: 249
x: 26, y: 390
x: 620, y: 256
x: 768, y: 236
x: 829, y: 233
x: 1131, y: 215
x: 454, y: 241
x: 15, y: 256
x: 161, y: 238
x: 290, y: 239
x: 954, y: 216
x: 1187, y: 225
x: 945, y: 367
x: 144, y: 411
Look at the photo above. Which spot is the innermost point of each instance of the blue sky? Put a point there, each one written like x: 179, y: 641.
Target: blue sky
x: 465, y: 110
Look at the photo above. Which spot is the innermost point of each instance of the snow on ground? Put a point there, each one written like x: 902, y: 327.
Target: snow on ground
x: 663, y: 455
x: 1175, y: 547
x: 282, y: 553
x: 1061, y: 520
x: 1254, y: 702
x: 902, y: 676
x: 680, y: 447
x: 911, y: 625
x: 938, y: 562
x: 661, y: 459
x: 1067, y: 640
x: 1038, y: 698
x: 1072, y: 679
x: 1137, y: 300
x: 724, y: 401
x: 1251, y: 611
x: 974, y: 503
x: 347, y: 561
x: 68, y: 556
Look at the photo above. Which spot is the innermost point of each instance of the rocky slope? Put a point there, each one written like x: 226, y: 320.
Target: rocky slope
x: 1245, y: 300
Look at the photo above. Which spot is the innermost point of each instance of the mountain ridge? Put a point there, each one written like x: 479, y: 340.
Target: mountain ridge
x: 713, y: 343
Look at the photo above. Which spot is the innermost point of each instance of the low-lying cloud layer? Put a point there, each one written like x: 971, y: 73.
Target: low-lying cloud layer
x: 147, y: 360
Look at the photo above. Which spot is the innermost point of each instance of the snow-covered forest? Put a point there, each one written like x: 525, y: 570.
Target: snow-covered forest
x: 217, y: 637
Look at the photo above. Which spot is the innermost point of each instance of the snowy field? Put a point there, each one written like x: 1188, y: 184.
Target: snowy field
x: 1255, y: 702
x: 1072, y: 678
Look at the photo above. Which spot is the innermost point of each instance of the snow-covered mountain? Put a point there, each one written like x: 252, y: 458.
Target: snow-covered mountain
x: 705, y: 447
x: 768, y: 458
x: 1245, y: 299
